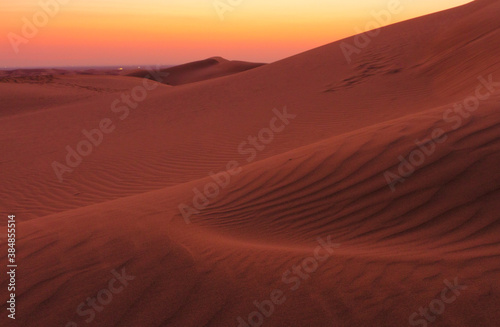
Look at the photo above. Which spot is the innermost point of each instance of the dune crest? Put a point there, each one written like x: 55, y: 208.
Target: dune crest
x: 200, y: 70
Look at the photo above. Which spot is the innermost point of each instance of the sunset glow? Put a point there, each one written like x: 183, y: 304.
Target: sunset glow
x: 91, y: 32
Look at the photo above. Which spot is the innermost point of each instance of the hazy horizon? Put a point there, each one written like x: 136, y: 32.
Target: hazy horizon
x: 106, y: 33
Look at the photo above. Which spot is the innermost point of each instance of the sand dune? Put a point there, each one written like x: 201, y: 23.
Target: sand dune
x: 200, y: 70
x: 413, y: 101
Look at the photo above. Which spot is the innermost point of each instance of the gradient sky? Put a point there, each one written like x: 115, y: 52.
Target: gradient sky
x: 130, y: 32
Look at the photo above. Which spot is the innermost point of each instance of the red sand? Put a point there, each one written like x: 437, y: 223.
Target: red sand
x: 321, y: 176
x: 200, y: 70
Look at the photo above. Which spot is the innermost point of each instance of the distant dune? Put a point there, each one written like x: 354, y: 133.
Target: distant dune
x: 385, y: 167
x: 200, y: 70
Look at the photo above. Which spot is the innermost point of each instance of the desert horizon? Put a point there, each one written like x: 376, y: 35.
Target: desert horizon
x: 278, y: 164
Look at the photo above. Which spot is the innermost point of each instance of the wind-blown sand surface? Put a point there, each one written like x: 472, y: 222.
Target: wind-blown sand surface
x: 323, y: 175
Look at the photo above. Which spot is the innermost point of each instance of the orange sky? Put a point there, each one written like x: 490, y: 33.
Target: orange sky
x: 129, y: 32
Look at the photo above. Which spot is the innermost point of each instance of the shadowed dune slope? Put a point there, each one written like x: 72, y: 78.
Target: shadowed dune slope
x: 395, y: 249
x: 323, y: 175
